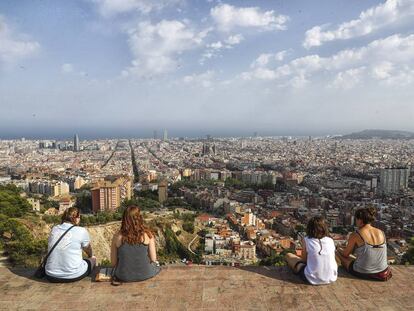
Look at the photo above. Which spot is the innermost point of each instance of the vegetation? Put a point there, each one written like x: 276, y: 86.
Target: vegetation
x: 84, y: 201
x: 188, y: 226
x: 15, y: 239
x: 174, y: 249
x: 146, y: 204
x: 275, y: 259
x: 11, y: 203
x: 192, y: 184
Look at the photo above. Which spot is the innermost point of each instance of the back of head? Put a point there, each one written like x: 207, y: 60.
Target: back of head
x: 133, y: 229
x: 70, y: 215
x: 317, y: 228
x: 367, y: 214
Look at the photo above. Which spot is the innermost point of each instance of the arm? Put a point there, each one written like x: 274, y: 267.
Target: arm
x: 152, y: 252
x: 88, y: 250
x: 86, y: 243
x: 304, y: 252
x: 114, y: 249
x: 349, y: 247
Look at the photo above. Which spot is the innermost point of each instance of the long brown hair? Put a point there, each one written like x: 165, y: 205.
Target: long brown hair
x: 70, y: 215
x: 133, y: 229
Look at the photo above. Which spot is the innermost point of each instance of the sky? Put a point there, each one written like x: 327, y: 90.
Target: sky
x: 124, y: 68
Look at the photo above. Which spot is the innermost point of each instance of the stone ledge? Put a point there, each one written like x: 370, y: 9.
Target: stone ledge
x: 210, y: 288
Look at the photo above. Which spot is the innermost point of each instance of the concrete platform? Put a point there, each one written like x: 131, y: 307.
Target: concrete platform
x: 210, y: 288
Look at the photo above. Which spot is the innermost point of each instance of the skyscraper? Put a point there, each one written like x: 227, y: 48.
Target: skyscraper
x: 165, y: 138
x: 76, y: 146
x: 162, y: 191
x: 393, y: 180
x: 155, y: 134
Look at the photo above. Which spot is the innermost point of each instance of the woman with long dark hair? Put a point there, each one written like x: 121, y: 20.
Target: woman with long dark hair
x: 365, y: 255
x: 317, y: 264
x: 133, y: 252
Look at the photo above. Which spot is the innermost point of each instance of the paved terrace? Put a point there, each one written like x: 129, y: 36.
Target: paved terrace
x: 210, y: 288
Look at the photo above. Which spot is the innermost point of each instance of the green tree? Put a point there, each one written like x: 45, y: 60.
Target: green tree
x: 12, y: 204
x: 188, y: 226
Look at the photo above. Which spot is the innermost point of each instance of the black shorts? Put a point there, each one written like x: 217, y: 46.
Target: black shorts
x: 59, y: 280
x: 359, y: 274
x: 301, y: 272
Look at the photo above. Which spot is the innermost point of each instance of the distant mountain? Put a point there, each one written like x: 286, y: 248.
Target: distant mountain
x: 381, y: 134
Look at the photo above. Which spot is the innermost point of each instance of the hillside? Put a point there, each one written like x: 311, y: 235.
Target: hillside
x: 379, y: 134
x: 171, y: 239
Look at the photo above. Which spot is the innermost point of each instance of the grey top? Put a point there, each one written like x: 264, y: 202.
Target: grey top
x: 134, y: 263
x: 370, y: 258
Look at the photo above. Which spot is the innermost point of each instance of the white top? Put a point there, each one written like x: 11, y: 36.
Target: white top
x: 321, y: 266
x: 66, y: 261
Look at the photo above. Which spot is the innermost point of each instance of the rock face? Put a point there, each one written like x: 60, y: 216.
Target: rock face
x: 101, y: 237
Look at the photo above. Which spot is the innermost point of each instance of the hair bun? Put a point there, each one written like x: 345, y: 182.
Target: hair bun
x: 372, y: 211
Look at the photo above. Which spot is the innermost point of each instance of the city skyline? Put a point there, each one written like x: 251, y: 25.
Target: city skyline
x: 107, y: 68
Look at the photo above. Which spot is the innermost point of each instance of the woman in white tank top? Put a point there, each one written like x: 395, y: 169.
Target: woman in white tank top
x: 317, y: 265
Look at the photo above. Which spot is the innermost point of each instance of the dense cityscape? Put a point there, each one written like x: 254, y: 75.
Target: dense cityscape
x: 243, y: 200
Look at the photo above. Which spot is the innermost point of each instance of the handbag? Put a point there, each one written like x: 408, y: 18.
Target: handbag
x: 40, y: 272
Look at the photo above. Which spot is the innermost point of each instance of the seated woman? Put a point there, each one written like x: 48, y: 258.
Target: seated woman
x: 317, y: 265
x: 65, y: 263
x: 133, y: 253
x: 369, y: 247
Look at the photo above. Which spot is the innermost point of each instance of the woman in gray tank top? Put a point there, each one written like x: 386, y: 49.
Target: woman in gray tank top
x: 133, y: 252
x: 369, y: 248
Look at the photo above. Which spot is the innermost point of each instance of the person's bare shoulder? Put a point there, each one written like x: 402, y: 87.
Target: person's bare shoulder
x: 117, y: 238
x: 147, y: 238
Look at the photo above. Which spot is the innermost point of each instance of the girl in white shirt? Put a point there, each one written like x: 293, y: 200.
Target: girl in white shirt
x: 317, y: 265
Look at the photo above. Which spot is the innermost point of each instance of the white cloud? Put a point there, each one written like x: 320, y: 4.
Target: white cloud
x: 204, y: 79
x: 266, y: 58
x: 110, y: 8
x: 67, y: 68
x: 213, y: 49
x: 349, y: 78
x: 12, y: 47
x: 228, y: 17
x: 156, y: 46
x: 382, y: 59
x: 236, y: 39
x: 369, y: 21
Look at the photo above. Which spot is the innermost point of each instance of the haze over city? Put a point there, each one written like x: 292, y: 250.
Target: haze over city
x: 104, y: 68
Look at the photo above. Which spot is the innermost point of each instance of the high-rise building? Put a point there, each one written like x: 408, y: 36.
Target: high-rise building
x: 155, y: 134
x: 109, y: 193
x: 165, y: 137
x: 393, y: 180
x: 59, y: 188
x: 76, y: 146
x: 162, y: 191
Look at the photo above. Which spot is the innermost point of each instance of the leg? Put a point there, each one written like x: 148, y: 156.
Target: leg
x: 93, y: 261
x: 345, y: 261
x: 292, y: 261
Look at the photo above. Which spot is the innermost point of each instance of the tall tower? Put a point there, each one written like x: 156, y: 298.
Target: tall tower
x: 155, y: 134
x: 76, y: 146
x: 162, y: 191
x: 165, y: 138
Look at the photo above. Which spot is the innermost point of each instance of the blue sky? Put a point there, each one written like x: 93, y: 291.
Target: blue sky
x: 127, y: 67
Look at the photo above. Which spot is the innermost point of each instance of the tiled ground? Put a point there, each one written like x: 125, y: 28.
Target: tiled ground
x: 210, y: 288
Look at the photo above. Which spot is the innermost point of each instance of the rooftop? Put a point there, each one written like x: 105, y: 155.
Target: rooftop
x: 210, y: 288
